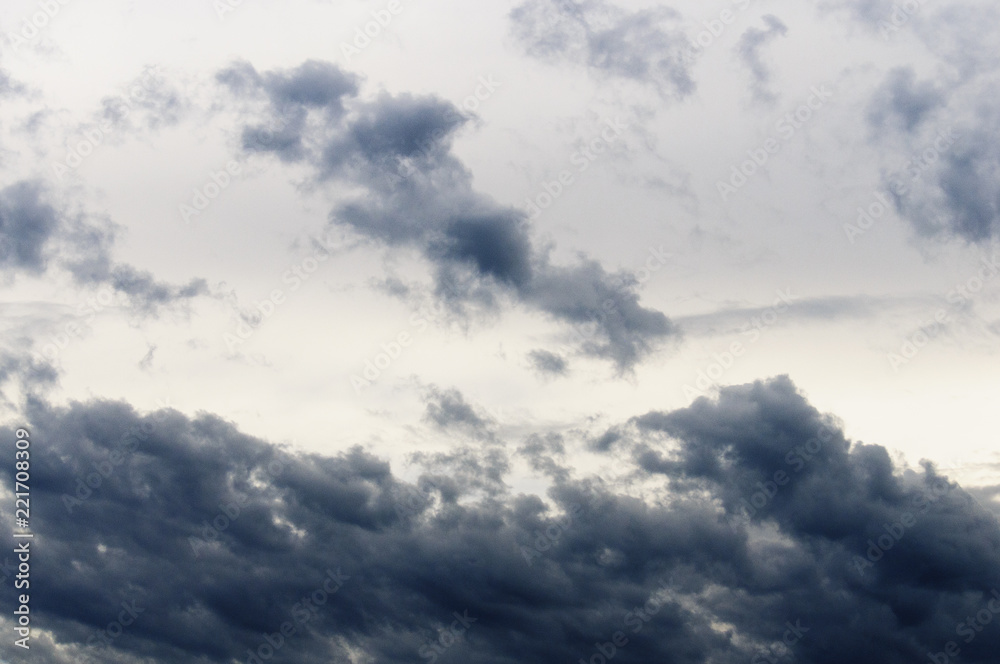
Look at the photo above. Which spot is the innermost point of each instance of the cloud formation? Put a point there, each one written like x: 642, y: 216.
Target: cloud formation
x: 749, y: 49
x: 418, y: 195
x: 36, y: 235
x: 217, y: 539
x: 645, y: 46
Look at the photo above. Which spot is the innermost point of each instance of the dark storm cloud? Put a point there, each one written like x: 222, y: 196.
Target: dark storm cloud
x: 749, y: 48
x: 548, y: 363
x: 533, y: 585
x: 36, y: 235
x: 397, y: 148
x: 644, y: 46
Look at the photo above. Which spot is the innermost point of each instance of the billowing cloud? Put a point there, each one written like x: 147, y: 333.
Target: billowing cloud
x: 418, y: 195
x: 778, y: 535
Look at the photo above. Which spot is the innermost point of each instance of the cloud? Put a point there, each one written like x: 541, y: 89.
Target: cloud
x: 951, y: 189
x: 749, y: 47
x: 220, y: 538
x: 416, y: 194
x: 548, y: 363
x: 902, y: 103
x: 36, y: 235
x: 448, y: 408
x: 643, y: 46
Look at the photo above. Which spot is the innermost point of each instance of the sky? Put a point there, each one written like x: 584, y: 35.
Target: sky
x: 527, y: 331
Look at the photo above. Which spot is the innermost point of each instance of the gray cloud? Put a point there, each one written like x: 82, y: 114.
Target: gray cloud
x: 417, y: 553
x: 749, y: 49
x: 901, y: 102
x: 548, y: 363
x: 36, y: 235
x: 417, y: 194
x: 645, y: 46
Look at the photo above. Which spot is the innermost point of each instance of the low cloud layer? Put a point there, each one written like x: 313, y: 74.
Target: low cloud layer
x: 215, y: 539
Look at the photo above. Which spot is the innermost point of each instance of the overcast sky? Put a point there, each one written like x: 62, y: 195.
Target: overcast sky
x: 414, y: 282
